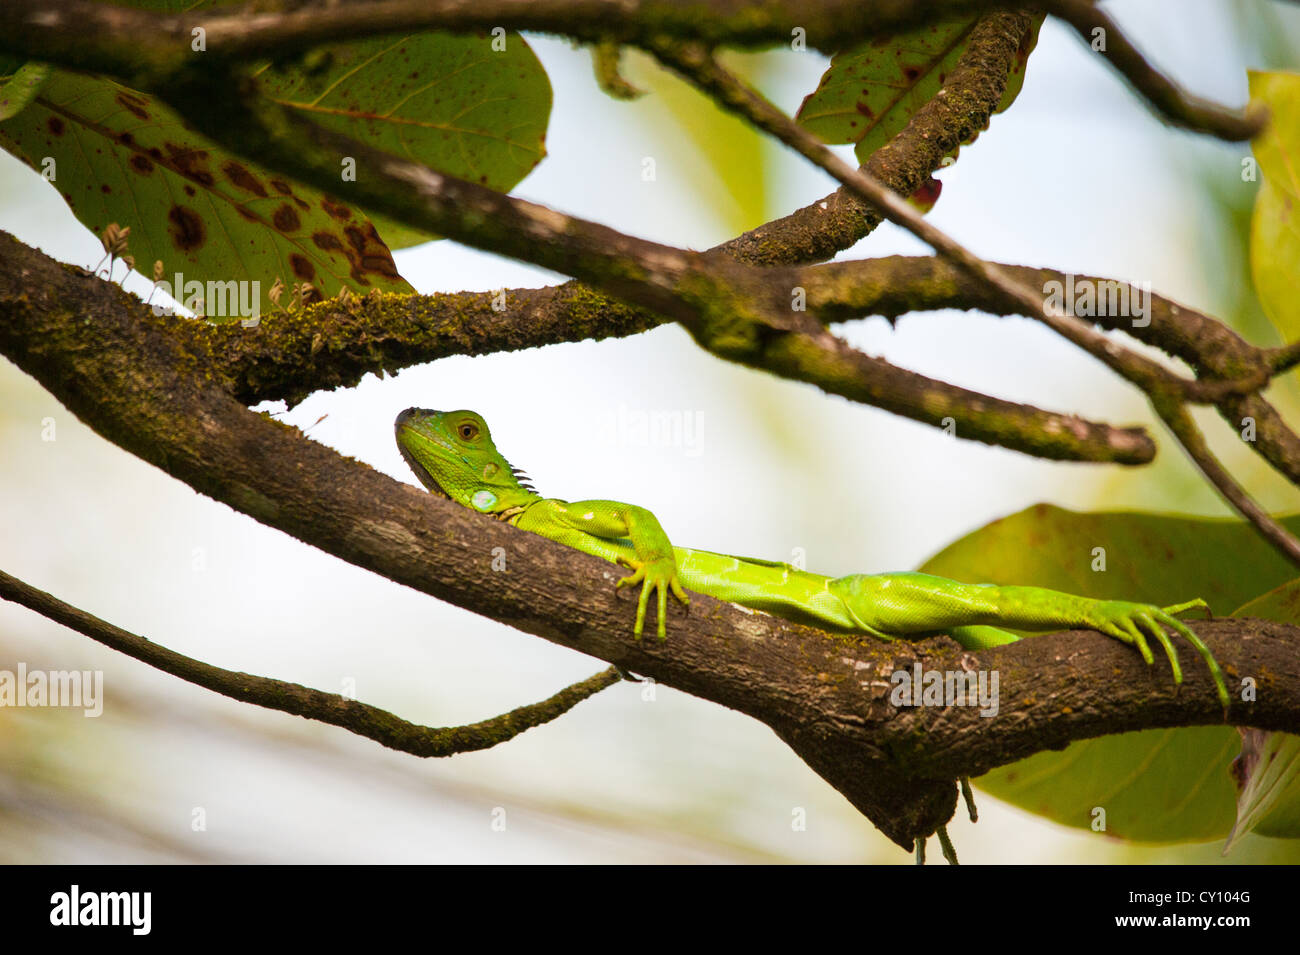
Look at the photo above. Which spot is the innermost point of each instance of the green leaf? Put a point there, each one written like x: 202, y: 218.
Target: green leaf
x: 870, y: 92
x: 122, y: 157
x: 1154, y: 785
x: 716, y: 155
x: 1268, y: 770
x: 21, y: 88
x: 454, y: 103
x: 1275, y: 228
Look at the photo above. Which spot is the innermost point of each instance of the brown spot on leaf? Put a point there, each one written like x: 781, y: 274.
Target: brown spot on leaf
x: 911, y: 72
x: 142, y: 164
x: 242, y: 178
x: 356, y: 237
x: 135, y: 105
x: 189, y: 190
x: 368, y: 255
x: 280, y: 186
x: 285, y: 219
x: 327, y: 241
x: 302, y: 267
x: 335, y: 210
x: 55, y: 125
x: 190, y: 163
x: 186, y: 228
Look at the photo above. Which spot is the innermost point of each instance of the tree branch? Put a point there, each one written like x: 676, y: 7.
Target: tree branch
x: 696, y: 64
x: 727, y: 307
x: 122, y: 371
x: 972, y: 92
x: 894, y: 285
x: 1166, y: 98
x: 1180, y: 423
x: 891, y: 286
x: 55, y: 29
x: 288, y: 355
x: 293, y: 698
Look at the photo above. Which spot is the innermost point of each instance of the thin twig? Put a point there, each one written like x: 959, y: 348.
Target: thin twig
x: 1179, y: 420
x: 894, y: 285
x: 1284, y: 358
x: 1166, y: 98
x: 356, y: 717
x: 697, y: 65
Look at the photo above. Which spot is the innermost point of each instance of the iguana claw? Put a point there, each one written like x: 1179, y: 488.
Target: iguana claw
x: 659, y: 575
x: 1134, y: 623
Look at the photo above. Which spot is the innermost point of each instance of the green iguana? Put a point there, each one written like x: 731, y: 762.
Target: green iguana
x: 452, y: 454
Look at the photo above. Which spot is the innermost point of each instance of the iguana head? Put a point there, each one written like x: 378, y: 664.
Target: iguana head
x: 452, y: 454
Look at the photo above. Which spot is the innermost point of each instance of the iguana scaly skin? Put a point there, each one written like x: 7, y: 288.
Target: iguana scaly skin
x: 453, y: 455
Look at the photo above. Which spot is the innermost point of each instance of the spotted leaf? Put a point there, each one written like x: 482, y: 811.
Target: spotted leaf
x: 120, y: 156
x: 473, y: 107
x: 871, y: 91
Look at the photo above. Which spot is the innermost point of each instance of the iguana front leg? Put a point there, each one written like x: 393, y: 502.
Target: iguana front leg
x: 908, y: 603
x: 605, y: 528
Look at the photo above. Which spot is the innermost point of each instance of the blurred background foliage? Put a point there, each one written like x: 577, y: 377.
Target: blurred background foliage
x: 1077, y: 175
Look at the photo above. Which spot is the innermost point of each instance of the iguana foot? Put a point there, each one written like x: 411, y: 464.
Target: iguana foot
x: 660, y: 576
x: 1134, y: 623
x: 969, y: 796
x: 945, y: 844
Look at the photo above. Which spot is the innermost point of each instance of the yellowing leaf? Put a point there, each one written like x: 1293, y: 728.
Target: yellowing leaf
x: 1275, y: 229
x: 20, y: 88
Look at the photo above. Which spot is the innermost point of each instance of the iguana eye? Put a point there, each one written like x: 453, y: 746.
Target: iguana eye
x: 467, y: 430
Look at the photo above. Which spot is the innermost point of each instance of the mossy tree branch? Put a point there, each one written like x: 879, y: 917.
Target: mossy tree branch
x: 298, y: 700
x: 733, y: 310
x: 289, y: 355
